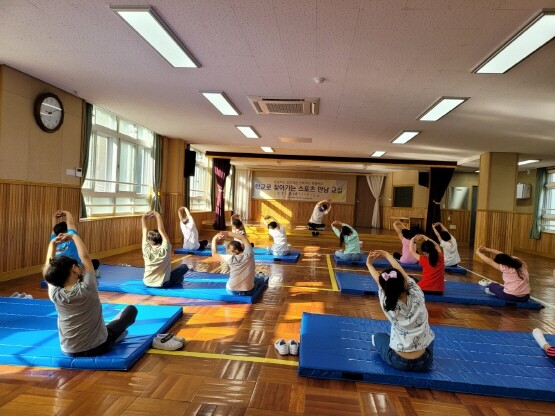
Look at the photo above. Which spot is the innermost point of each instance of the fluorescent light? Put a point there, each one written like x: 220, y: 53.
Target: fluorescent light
x: 526, y: 162
x: 536, y: 34
x: 249, y: 132
x: 150, y: 26
x: 441, y: 107
x: 405, y: 137
x: 476, y: 171
x: 221, y: 102
x: 267, y: 149
x: 378, y: 153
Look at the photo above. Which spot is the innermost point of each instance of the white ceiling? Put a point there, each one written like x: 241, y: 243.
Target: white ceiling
x: 385, y: 63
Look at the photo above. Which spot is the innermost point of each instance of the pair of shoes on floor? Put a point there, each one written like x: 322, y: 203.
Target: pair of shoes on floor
x: 290, y: 347
x: 21, y: 295
x: 315, y: 233
x: 484, y: 282
x: 168, y: 342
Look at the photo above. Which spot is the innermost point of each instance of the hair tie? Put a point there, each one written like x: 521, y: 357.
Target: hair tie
x: 391, y: 275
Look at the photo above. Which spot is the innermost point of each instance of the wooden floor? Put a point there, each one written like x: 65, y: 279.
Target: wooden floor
x: 213, y: 375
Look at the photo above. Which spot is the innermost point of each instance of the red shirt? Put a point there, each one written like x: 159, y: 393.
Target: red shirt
x: 433, y: 277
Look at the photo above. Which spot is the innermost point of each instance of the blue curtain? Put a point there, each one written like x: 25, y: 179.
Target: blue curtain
x: 541, y: 180
x: 156, y: 153
x: 85, y: 154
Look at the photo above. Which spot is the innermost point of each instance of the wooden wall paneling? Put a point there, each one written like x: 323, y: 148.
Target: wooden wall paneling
x: 4, y: 214
x: 494, y: 229
x: 170, y: 204
x: 298, y: 212
x: 15, y: 221
x: 459, y: 218
x: 389, y: 212
x: 545, y: 246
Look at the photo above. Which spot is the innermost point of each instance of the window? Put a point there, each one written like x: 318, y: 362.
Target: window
x: 228, y: 190
x: 200, y: 184
x: 119, y: 173
x: 548, y: 211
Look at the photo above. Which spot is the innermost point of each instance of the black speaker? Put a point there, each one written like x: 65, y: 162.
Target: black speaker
x: 424, y: 179
x: 190, y: 162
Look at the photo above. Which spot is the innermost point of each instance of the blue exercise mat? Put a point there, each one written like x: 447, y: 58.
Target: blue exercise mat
x: 260, y: 254
x: 476, y: 361
x: 197, y: 285
x: 343, y: 262
x: 29, y: 335
x: 450, y: 269
x: 455, y: 292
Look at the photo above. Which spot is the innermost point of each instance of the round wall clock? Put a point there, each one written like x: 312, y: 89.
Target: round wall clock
x: 49, y: 112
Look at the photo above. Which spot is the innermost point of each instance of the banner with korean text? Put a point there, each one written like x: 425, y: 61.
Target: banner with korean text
x: 299, y: 189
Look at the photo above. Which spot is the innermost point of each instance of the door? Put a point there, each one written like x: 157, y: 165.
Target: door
x: 364, y: 205
x: 473, y: 215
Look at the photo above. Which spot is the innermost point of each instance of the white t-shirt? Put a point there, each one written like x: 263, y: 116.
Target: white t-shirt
x: 317, y: 215
x: 280, y: 239
x: 190, y: 235
x: 157, y: 264
x: 450, y: 252
x: 241, y: 270
x: 410, y: 330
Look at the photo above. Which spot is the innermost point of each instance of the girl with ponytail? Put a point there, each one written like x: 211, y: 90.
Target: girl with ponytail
x: 432, y: 263
x: 409, y: 346
x: 348, y: 237
x: 516, y: 281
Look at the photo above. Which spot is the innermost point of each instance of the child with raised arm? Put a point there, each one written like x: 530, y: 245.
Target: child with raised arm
x: 73, y: 290
x: 409, y: 346
x: 189, y: 230
x: 157, y: 255
x: 448, y: 244
x: 348, y: 237
x: 238, y: 227
x: 240, y: 259
x: 405, y: 235
x: 516, y: 287
x: 320, y: 209
x: 279, y: 234
x: 431, y: 261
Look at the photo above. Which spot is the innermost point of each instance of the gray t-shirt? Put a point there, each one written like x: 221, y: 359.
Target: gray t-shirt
x: 80, y: 323
x: 242, y: 270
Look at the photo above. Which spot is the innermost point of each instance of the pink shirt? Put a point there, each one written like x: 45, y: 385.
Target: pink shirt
x: 406, y: 257
x: 514, y: 284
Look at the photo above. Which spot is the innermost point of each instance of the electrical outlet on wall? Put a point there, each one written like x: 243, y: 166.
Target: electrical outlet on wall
x: 452, y: 227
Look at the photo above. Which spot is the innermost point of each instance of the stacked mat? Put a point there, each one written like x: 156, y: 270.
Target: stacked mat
x: 260, y: 254
x: 384, y: 263
x: 29, y: 335
x: 197, y: 285
x: 455, y: 292
x: 493, y: 363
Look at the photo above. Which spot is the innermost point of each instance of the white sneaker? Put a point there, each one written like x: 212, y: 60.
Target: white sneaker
x: 15, y: 295
x: 282, y: 347
x: 168, y: 343
x: 180, y: 339
x: 484, y: 282
x: 26, y: 296
x: 489, y: 292
x: 293, y: 347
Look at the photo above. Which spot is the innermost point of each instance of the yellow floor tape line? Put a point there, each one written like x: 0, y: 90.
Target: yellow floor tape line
x: 334, y: 286
x: 225, y: 357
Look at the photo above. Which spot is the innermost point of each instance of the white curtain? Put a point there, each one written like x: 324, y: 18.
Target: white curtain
x: 243, y: 193
x: 375, y: 184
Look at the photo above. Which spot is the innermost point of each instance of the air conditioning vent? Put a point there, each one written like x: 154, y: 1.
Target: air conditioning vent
x: 287, y: 106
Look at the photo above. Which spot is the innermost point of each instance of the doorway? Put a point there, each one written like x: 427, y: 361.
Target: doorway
x: 364, y: 205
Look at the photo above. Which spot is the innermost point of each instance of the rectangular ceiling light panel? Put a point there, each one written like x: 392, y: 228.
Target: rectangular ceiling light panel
x: 249, y: 132
x: 267, y: 149
x: 405, y: 137
x: 540, y: 31
x: 221, y: 102
x: 442, y: 107
x: 147, y: 23
x: 378, y: 153
x: 527, y: 162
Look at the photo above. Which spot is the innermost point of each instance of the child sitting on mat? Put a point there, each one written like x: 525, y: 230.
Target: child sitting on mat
x: 239, y: 256
x: 315, y: 222
x: 448, y: 244
x: 409, y: 346
x: 73, y: 290
x: 237, y: 227
x: 189, y: 230
x: 157, y: 255
x: 405, y: 235
x: 68, y: 248
x: 432, y: 263
x: 278, y: 233
x: 348, y: 237
x: 516, y: 281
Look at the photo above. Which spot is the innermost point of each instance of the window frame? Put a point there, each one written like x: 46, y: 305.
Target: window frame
x: 202, y: 178
x: 548, y: 204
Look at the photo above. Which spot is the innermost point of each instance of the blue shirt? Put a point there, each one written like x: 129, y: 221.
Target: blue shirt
x: 67, y: 248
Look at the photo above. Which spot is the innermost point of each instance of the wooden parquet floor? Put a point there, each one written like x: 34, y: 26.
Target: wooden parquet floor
x: 230, y: 367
